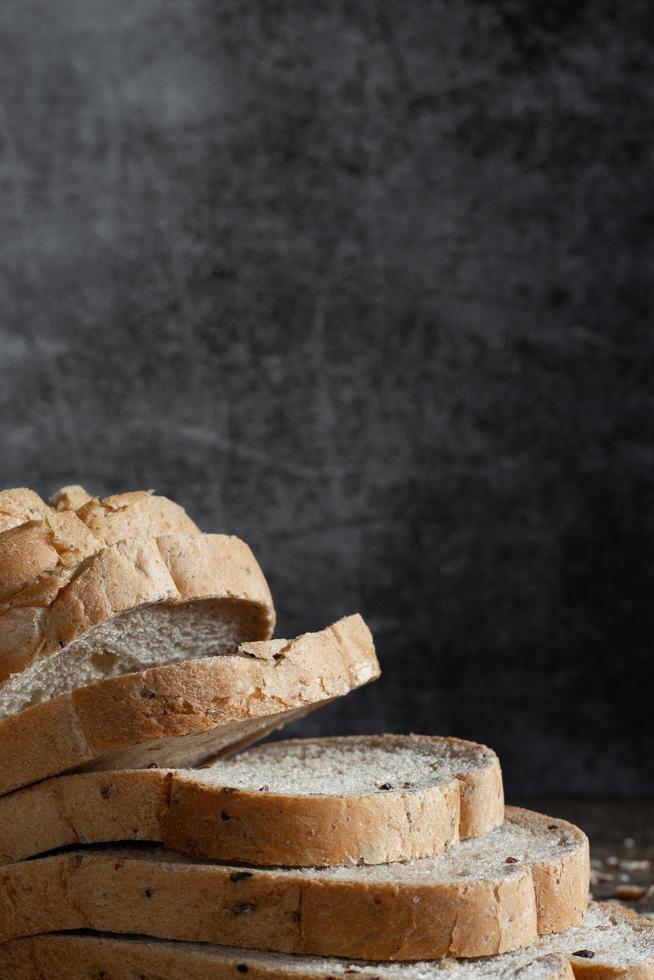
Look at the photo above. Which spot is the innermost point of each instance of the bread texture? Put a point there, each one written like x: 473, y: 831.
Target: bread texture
x: 308, y: 802
x: 489, y: 895
x: 69, y: 498
x: 621, y: 944
x: 136, y: 604
x: 20, y: 505
x: 93, y: 955
x: 40, y: 555
x: 185, y: 713
x: 136, y: 514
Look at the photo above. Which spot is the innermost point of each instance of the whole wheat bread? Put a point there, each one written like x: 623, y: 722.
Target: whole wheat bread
x: 183, y: 714
x: 97, y: 955
x: 136, y: 604
x: 309, y: 802
x: 611, y: 943
x: 488, y: 895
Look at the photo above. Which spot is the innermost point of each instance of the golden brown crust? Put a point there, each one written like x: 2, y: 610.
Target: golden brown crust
x: 136, y: 514
x: 35, y: 548
x: 125, y: 891
x: 61, y: 607
x: 20, y: 505
x: 179, y: 810
x: 184, y: 699
x: 71, y: 497
x: 89, y: 955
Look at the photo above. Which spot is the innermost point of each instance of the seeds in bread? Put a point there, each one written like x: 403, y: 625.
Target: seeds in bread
x: 470, y: 901
x: 186, y: 713
x: 309, y: 802
x: 79, y: 957
x: 621, y: 944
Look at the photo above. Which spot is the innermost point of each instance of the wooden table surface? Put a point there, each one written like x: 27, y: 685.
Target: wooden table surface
x: 621, y: 837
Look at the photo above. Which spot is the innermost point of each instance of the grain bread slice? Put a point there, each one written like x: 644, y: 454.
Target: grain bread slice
x: 488, y: 895
x: 78, y: 956
x: 136, y: 604
x: 308, y: 802
x: 185, y: 713
x: 611, y: 943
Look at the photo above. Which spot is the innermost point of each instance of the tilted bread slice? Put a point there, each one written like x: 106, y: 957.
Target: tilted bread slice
x: 611, y: 943
x: 183, y: 714
x: 488, y: 895
x: 309, y: 802
x: 136, y: 604
x: 82, y: 956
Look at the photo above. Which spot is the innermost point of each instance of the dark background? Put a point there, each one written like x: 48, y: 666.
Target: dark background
x: 370, y: 285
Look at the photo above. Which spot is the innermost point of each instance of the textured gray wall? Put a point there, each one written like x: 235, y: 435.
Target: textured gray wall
x: 369, y: 284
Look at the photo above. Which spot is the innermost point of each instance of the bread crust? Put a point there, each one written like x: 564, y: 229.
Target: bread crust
x: 35, y: 548
x: 264, y: 828
x: 70, y: 497
x: 20, y: 505
x: 139, y: 513
x: 122, y: 890
x: 93, y: 725
x: 84, y: 956
x: 55, y: 538
x: 174, y: 568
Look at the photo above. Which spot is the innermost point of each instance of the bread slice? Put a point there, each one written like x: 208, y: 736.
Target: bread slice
x: 183, y: 714
x: 136, y: 604
x: 489, y: 895
x: 101, y: 955
x: 614, y: 943
x: 309, y: 802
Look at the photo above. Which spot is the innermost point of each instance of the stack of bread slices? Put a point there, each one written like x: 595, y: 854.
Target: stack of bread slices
x: 142, y: 837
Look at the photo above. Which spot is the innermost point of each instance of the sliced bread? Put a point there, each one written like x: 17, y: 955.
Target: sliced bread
x: 183, y: 714
x: 310, y: 802
x: 101, y: 955
x: 488, y: 895
x: 611, y: 943
x: 134, y: 605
